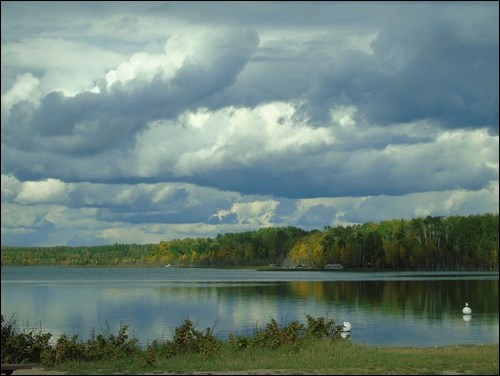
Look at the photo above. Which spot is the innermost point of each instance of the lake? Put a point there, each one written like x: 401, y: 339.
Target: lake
x: 384, y: 308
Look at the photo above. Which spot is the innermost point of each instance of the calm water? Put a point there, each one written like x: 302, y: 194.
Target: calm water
x: 384, y: 309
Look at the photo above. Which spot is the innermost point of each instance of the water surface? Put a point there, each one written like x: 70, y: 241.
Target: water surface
x: 384, y: 308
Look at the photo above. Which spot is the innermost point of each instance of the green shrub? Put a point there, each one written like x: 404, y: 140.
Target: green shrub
x: 69, y: 349
x: 321, y: 327
x: 98, y: 347
x: 111, y: 347
x: 33, y: 346
x: 273, y: 336
x: 22, y: 347
x: 187, y: 339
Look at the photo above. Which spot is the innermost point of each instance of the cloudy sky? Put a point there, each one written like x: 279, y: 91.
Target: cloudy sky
x: 135, y: 122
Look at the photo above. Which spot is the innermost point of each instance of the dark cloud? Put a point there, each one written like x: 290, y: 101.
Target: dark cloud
x: 149, y: 119
x: 126, y: 215
x: 430, y: 68
x: 447, y: 79
x: 275, y: 14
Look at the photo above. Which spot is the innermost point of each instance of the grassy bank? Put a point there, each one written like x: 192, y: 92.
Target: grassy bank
x: 317, y: 347
x: 313, y: 356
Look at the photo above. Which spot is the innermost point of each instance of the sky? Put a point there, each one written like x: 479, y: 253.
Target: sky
x: 137, y: 122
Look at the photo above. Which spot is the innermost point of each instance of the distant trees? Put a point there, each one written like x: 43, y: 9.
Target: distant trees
x: 102, y: 255
x: 430, y: 243
x: 308, y: 250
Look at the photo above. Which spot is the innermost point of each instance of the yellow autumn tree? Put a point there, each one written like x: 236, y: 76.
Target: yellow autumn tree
x: 298, y: 253
x: 309, y: 251
x: 162, y: 255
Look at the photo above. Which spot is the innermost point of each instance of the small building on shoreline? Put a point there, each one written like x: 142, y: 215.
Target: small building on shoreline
x: 334, y: 266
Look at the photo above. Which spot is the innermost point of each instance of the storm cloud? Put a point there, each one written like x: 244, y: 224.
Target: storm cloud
x: 147, y: 121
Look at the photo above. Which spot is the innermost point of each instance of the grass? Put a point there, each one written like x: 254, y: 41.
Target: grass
x: 315, y: 348
x: 312, y: 356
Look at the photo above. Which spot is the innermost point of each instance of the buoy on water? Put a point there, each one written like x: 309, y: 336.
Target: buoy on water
x: 466, y: 310
x: 346, y: 326
x: 345, y: 335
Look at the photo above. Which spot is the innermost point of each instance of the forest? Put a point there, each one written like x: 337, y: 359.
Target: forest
x: 423, y: 243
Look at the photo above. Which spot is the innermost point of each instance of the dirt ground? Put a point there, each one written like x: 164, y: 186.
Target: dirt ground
x: 43, y: 371
x: 36, y: 371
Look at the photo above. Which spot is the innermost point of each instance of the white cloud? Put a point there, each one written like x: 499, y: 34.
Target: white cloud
x: 200, y: 49
x: 46, y: 191
x: 453, y: 203
x: 144, y: 67
x: 88, y: 225
x: 203, y: 140
x: 15, y: 216
x: 25, y: 88
x: 59, y: 59
x: 10, y: 187
x: 129, y: 235
x: 180, y: 121
x: 257, y: 212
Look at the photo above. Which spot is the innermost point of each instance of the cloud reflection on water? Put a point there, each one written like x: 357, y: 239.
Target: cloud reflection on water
x: 382, y: 312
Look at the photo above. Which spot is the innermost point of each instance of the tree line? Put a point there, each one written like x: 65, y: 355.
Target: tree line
x: 423, y: 243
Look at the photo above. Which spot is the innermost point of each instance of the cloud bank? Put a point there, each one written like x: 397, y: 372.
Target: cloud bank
x: 147, y: 121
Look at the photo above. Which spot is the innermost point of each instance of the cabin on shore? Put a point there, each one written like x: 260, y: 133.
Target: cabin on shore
x: 334, y: 266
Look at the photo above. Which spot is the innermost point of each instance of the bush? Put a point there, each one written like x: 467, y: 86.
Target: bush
x: 98, y: 347
x: 273, y: 336
x: 22, y: 347
x: 32, y: 346
x: 111, y: 347
x: 321, y: 327
x: 187, y: 339
x: 68, y: 349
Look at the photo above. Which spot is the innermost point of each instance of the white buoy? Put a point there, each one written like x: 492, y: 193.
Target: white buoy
x: 346, y: 326
x: 466, y: 310
x: 345, y: 335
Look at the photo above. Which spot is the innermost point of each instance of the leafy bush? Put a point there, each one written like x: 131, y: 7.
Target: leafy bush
x: 273, y: 336
x: 68, y: 349
x: 321, y: 327
x: 32, y: 346
x: 96, y: 348
x: 22, y: 347
x: 111, y: 347
x: 187, y: 339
